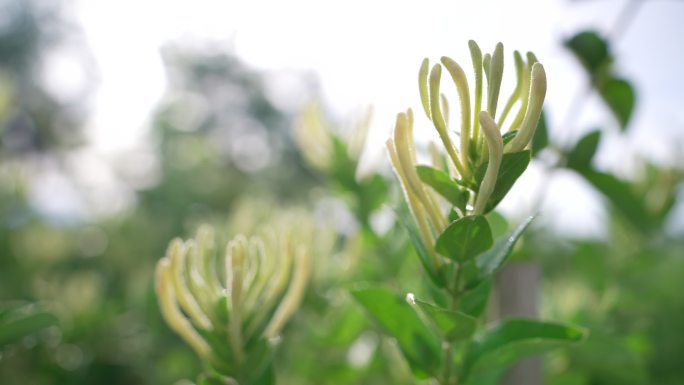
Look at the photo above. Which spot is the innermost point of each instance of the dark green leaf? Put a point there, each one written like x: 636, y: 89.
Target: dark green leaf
x: 591, y: 50
x: 21, y: 320
x: 507, y: 137
x: 515, y: 339
x: 406, y: 220
x: 541, y: 135
x: 453, y: 325
x: 512, y: 166
x: 258, y: 368
x: 620, y: 97
x: 396, y: 317
x: 580, y: 157
x: 453, y: 215
x: 441, y: 182
x: 465, y: 238
x: 474, y: 302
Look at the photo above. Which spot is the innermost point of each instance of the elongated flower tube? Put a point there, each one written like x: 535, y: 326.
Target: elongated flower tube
x: 222, y: 303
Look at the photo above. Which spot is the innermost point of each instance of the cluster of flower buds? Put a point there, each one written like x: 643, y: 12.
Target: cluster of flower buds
x: 481, y: 139
x: 220, y: 303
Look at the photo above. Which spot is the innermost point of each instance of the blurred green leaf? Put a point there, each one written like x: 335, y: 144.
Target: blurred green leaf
x: 508, y: 136
x: 453, y: 325
x: 20, y: 320
x: 512, y: 166
x: 591, y: 50
x: 623, y: 198
x: 396, y: 317
x: 465, y: 238
x: 515, y: 339
x: 620, y: 96
x: 474, y: 302
x: 581, y: 156
x: 541, y: 135
x: 441, y: 182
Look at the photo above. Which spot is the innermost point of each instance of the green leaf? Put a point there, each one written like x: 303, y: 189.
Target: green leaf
x: 489, y: 262
x: 396, y: 317
x: 441, y: 182
x: 465, y: 238
x: 512, y: 166
x: 20, y: 320
x: 507, y: 137
x: 591, y: 50
x: 580, y: 157
x: 515, y: 339
x: 541, y: 136
x: 258, y: 369
x: 474, y: 302
x: 452, y: 325
x: 406, y: 220
x: 620, y: 97
x: 623, y: 198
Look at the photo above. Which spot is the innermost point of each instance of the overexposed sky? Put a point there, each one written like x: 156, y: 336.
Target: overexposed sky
x: 368, y: 52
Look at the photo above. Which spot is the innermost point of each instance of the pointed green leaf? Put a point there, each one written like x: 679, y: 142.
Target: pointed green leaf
x: 396, y: 317
x: 445, y: 186
x: 452, y: 325
x: 541, y: 135
x: 620, y: 97
x: 507, y: 137
x: 465, y: 238
x: 515, y: 339
x: 581, y: 156
x: 489, y: 262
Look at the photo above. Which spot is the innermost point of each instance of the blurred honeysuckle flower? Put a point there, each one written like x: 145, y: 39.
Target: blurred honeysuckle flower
x: 473, y: 174
x: 228, y: 304
x: 323, y: 145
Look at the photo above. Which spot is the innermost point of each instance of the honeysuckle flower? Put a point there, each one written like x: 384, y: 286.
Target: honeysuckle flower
x: 238, y: 296
x: 480, y: 136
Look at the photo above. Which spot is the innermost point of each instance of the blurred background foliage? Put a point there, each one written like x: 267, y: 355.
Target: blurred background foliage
x: 77, y: 304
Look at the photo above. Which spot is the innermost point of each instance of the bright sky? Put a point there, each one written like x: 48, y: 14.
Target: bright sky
x: 368, y: 52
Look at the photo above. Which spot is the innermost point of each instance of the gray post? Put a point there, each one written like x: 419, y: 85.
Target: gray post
x: 517, y: 291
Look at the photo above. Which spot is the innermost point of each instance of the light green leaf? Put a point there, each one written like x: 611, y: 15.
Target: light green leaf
x: 623, y: 198
x: 489, y: 262
x: 452, y: 325
x: 465, y: 238
x: 396, y: 317
x: 445, y: 186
